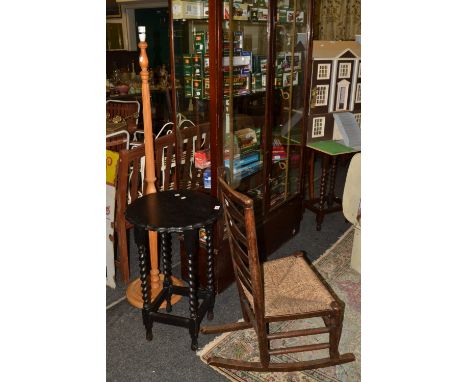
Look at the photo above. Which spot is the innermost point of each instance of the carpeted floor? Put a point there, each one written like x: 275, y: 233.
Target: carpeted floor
x: 168, y: 358
x: 242, y: 345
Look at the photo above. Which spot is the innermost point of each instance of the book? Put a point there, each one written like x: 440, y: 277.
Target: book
x: 242, y: 161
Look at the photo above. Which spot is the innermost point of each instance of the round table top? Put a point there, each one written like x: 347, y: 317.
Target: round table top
x: 174, y: 211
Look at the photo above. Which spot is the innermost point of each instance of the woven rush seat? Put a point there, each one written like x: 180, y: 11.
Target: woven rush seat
x: 292, y: 287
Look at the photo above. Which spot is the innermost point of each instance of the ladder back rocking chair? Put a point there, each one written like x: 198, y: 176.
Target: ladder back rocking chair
x: 278, y: 290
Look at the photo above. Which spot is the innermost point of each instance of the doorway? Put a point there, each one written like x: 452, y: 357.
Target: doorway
x: 156, y: 21
x: 342, y: 95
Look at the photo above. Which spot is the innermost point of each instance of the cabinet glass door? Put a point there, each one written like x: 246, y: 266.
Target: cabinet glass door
x: 192, y: 83
x: 245, y: 58
x: 288, y: 98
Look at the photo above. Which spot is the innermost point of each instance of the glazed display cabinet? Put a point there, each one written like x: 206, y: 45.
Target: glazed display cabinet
x: 239, y: 70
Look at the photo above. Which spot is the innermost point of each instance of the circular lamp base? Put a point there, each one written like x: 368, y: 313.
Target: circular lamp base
x: 134, y: 292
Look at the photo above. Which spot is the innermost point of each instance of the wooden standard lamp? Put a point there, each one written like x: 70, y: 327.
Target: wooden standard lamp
x: 134, y: 289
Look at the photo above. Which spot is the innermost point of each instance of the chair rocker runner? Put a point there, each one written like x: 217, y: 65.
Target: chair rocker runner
x: 278, y: 290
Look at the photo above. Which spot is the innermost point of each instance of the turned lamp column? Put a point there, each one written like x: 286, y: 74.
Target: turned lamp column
x: 134, y: 289
x: 150, y: 173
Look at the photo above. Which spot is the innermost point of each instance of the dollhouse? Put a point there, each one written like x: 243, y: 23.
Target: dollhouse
x: 336, y: 86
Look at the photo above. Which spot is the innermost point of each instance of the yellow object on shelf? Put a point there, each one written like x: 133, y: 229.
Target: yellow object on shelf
x: 112, y: 161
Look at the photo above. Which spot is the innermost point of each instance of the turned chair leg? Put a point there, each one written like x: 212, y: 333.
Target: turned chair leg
x: 336, y: 323
x: 264, y: 345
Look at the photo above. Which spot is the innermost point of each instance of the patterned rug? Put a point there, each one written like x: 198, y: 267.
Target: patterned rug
x: 334, y: 265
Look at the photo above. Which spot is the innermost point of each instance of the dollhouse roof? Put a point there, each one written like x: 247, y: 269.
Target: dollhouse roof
x: 334, y: 49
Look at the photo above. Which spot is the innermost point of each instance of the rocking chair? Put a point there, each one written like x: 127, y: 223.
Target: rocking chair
x: 278, y: 290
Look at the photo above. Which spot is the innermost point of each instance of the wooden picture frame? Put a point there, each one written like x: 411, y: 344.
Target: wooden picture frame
x: 113, y: 10
x: 115, y: 36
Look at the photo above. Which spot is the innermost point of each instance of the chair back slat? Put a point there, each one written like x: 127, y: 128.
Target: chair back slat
x: 169, y: 166
x: 165, y: 161
x: 235, y: 214
x: 238, y: 229
x: 191, y: 139
x: 245, y: 283
x: 135, y: 181
x: 128, y: 176
x: 240, y: 250
x: 187, y: 139
x: 240, y: 254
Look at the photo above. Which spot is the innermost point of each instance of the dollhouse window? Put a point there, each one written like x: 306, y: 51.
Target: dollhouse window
x: 318, y: 127
x: 321, y: 97
x: 357, y: 117
x: 323, y: 72
x: 344, y: 70
x: 358, y: 93
x: 359, y: 72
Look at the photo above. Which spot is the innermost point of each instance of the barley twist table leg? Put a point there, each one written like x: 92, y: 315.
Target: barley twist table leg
x: 210, y: 269
x: 331, y: 189
x: 166, y: 247
x: 144, y: 278
x: 191, y: 245
x: 323, y: 186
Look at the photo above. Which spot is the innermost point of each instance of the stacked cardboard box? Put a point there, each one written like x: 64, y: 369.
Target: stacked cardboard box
x: 196, y: 67
x: 283, y: 66
x: 241, y: 69
x: 247, y: 158
x: 257, y: 11
x: 278, y: 152
x: 201, y: 42
x: 189, y: 9
x: 241, y: 9
x: 259, y: 73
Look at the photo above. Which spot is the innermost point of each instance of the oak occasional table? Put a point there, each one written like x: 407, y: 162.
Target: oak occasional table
x: 329, y: 151
x: 184, y: 212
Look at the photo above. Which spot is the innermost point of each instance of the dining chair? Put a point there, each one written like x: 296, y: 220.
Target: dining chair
x: 130, y: 186
x: 128, y: 110
x: 283, y: 289
x: 118, y: 140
